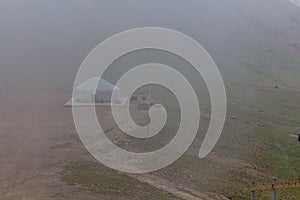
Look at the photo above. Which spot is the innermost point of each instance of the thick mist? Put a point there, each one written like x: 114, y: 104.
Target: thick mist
x: 44, y: 42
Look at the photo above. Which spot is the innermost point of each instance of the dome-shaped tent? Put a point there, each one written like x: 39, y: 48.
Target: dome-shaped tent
x: 96, y: 90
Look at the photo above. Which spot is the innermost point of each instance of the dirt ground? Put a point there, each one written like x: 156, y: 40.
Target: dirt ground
x: 32, y: 128
x: 38, y: 138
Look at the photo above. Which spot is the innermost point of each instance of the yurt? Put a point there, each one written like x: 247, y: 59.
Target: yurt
x: 96, y: 90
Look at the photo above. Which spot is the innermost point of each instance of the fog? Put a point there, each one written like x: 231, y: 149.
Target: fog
x: 256, y: 46
x: 44, y: 42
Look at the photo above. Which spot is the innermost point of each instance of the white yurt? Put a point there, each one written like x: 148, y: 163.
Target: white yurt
x: 96, y: 90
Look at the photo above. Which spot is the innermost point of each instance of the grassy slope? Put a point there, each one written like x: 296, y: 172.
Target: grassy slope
x: 255, y: 43
x: 96, y: 178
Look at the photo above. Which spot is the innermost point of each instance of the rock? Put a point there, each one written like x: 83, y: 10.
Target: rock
x: 261, y: 125
x: 233, y: 117
x: 261, y: 110
x: 276, y: 87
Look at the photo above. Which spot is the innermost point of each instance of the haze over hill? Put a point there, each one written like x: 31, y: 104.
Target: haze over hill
x: 44, y: 42
x: 296, y: 2
x: 255, y: 43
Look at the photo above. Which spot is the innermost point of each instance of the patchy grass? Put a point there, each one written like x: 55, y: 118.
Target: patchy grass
x: 258, y: 137
x: 96, y: 178
x: 257, y: 142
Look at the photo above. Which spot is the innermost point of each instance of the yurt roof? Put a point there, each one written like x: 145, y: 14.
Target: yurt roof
x: 96, y: 83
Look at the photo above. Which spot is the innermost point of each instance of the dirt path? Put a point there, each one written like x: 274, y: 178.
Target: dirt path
x: 184, y: 193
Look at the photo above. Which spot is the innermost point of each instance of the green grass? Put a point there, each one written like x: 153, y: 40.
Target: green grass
x: 279, y: 154
x: 264, y: 143
x: 268, y: 149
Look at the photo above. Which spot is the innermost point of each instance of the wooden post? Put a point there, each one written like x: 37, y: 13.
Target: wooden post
x: 253, y: 192
x: 274, y: 194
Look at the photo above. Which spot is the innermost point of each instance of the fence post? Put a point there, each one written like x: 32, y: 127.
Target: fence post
x: 274, y: 195
x: 253, y: 192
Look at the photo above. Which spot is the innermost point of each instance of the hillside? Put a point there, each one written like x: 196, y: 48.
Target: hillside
x: 256, y: 45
